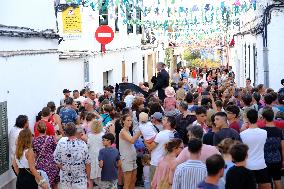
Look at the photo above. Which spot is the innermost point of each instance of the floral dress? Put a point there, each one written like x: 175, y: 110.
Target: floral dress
x: 44, y: 147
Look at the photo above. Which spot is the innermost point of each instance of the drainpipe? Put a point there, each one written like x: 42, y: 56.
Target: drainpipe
x: 265, y: 21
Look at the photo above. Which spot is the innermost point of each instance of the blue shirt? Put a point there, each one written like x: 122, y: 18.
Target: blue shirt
x: 105, y: 119
x: 109, y: 156
x: 68, y: 115
x: 281, y: 108
x: 192, y: 108
x: 204, y: 185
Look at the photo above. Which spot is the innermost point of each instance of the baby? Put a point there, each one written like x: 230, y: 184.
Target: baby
x: 146, y: 128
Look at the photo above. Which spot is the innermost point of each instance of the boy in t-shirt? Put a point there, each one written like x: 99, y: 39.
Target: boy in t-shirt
x: 239, y: 176
x: 109, y: 161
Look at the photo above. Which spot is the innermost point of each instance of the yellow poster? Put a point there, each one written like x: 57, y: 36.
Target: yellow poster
x: 71, y: 18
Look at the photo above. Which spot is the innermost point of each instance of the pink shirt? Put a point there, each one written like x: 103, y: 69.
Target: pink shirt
x: 164, y: 173
x: 206, y: 151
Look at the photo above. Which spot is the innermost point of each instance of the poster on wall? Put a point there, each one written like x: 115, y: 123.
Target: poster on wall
x: 72, y: 23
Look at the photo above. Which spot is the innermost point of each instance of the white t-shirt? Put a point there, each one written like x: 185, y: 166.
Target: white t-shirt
x: 80, y: 99
x: 129, y: 100
x: 13, y: 136
x: 147, y: 130
x: 255, y: 138
x: 161, y: 139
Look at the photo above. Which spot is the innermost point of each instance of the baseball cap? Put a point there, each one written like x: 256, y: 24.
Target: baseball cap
x: 66, y: 91
x: 157, y: 116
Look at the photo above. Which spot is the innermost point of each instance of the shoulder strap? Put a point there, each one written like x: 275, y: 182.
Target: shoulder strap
x: 156, y: 128
x: 105, y: 118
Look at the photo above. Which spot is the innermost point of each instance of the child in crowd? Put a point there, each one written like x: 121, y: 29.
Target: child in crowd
x: 239, y: 176
x: 146, y: 128
x: 146, y: 170
x: 170, y: 101
x: 95, y: 144
x: 128, y: 98
x: 109, y: 161
x: 180, y: 94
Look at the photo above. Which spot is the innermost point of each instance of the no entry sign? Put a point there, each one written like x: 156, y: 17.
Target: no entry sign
x: 104, y: 35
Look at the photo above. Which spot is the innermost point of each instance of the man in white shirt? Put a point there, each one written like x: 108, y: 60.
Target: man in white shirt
x: 157, y: 147
x: 255, y: 138
x: 22, y: 122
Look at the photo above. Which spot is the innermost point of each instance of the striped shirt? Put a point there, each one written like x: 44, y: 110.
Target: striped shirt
x: 189, y: 174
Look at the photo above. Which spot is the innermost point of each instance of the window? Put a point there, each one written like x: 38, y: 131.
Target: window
x: 138, y: 17
x: 116, y: 20
x: 4, y: 146
x: 86, y: 71
x: 249, y: 56
x: 143, y: 68
x: 103, y: 14
x: 129, y: 14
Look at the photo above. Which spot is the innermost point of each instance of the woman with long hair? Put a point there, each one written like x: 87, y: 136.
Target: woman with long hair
x: 24, y: 164
x: 163, y: 176
x: 44, y: 147
x: 128, y: 152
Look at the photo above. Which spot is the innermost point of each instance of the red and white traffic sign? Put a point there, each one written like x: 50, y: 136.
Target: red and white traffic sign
x: 104, y: 35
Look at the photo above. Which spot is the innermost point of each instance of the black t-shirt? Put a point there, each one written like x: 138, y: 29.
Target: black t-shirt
x: 240, y: 178
x: 181, y: 126
x: 208, y: 137
x: 272, y: 147
x: 226, y: 133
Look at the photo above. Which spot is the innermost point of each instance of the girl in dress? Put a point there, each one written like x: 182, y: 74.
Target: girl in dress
x: 95, y: 144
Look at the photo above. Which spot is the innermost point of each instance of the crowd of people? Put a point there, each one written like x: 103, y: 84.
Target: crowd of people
x: 198, y: 131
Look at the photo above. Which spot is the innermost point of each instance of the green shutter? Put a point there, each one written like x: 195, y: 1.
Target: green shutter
x: 4, y: 145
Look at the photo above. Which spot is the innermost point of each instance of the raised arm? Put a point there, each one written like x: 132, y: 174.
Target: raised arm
x: 128, y: 138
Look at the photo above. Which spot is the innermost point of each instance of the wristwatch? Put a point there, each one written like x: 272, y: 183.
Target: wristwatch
x: 41, y: 181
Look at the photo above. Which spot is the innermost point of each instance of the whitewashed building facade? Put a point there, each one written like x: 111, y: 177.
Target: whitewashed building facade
x: 258, y: 50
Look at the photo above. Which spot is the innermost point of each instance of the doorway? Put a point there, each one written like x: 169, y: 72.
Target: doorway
x: 134, y: 73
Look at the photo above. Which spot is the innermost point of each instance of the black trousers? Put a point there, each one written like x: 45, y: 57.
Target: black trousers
x: 26, y: 180
x: 139, y: 170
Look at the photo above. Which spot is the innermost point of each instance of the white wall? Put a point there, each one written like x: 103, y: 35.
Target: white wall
x: 276, y: 49
x: 35, y: 14
x: 113, y: 61
x: 29, y: 82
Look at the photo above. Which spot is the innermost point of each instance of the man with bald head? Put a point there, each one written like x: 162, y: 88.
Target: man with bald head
x: 162, y: 80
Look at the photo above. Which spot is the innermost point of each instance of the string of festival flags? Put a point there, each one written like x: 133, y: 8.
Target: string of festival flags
x: 179, y: 20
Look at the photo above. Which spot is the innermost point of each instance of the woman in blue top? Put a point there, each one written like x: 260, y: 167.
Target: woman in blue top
x: 107, y: 109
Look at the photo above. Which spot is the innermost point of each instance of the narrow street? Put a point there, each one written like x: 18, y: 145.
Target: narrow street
x: 161, y: 94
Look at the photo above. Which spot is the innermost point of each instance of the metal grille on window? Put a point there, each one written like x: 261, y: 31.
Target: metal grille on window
x: 138, y: 17
x: 86, y: 71
x: 103, y: 14
x: 116, y: 20
x: 129, y: 17
x: 4, y: 145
